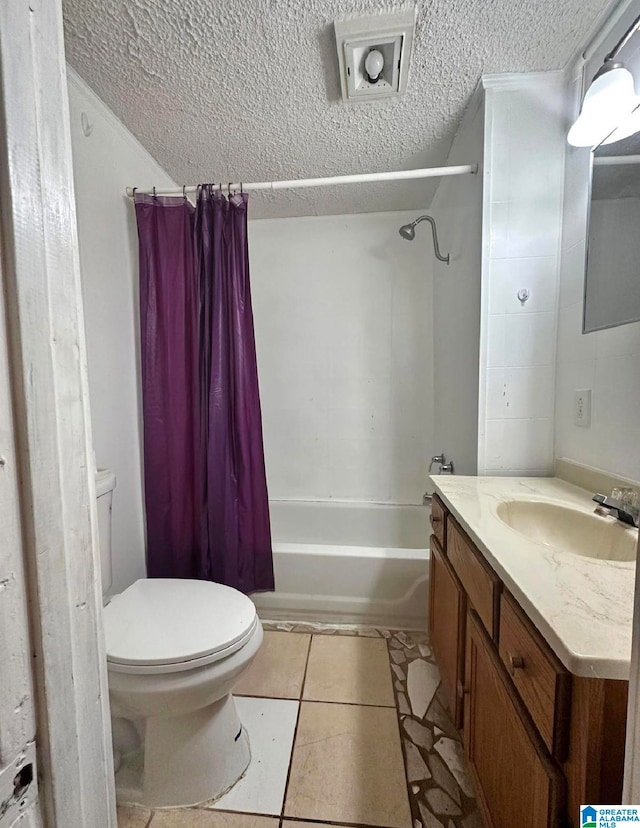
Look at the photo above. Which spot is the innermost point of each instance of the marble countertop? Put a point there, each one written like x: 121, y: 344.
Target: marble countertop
x: 583, y: 607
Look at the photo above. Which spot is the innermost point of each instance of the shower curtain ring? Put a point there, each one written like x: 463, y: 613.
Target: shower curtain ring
x: 241, y: 188
x: 229, y: 189
x: 154, y: 192
x: 133, y: 192
x: 184, y: 191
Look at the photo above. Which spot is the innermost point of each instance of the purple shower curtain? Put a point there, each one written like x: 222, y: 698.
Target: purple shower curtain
x: 205, y: 484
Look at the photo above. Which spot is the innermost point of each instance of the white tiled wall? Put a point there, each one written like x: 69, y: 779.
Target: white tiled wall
x: 457, y: 208
x: 607, y: 362
x: 343, y: 320
x: 523, y: 176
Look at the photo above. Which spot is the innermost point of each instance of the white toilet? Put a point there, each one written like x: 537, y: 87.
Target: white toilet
x: 175, y: 650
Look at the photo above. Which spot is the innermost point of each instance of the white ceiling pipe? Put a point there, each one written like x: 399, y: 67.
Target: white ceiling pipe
x: 303, y: 183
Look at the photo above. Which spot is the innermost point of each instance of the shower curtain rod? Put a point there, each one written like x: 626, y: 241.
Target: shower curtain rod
x: 302, y: 183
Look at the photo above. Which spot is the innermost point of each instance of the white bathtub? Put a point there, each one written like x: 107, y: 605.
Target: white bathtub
x: 349, y: 563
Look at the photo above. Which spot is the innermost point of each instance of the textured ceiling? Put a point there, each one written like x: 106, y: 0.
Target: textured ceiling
x: 248, y: 89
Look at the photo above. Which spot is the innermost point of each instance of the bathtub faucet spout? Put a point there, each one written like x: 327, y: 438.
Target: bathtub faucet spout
x: 446, y: 466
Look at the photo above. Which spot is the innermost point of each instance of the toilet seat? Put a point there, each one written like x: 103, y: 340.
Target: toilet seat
x: 167, y: 625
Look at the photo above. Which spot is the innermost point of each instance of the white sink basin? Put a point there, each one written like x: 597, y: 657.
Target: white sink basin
x: 570, y: 530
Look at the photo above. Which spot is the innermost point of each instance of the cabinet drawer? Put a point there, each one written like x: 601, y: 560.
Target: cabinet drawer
x: 541, y: 680
x: 438, y: 516
x: 480, y: 582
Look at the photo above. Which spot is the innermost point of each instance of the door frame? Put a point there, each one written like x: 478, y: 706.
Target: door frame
x: 50, y: 446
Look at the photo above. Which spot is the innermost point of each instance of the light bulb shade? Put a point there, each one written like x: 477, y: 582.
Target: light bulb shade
x: 609, y: 100
x: 374, y: 64
x: 629, y: 126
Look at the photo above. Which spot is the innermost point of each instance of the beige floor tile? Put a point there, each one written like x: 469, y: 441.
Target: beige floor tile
x: 349, y: 669
x: 132, y: 817
x: 196, y: 818
x: 277, y: 671
x: 347, y: 766
x: 296, y: 823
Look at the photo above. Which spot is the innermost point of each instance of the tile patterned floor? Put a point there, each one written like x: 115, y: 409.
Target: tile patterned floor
x: 347, y: 727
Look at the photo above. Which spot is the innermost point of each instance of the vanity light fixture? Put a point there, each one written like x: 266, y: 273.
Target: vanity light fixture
x: 609, y: 102
x: 629, y: 126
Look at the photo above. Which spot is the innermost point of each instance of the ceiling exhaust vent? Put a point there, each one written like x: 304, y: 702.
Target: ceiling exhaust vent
x: 374, y: 54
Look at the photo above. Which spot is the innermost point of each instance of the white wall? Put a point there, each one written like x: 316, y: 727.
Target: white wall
x: 607, y: 362
x: 525, y: 134
x: 457, y: 208
x: 104, y: 163
x: 343, y: 318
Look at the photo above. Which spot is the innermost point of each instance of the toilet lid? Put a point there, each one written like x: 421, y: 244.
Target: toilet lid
x: 176, y: 624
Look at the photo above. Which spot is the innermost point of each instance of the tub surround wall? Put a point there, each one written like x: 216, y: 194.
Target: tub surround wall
x: 104, y: 162
x: 457, y: 208
x: 525, y: 136
x: 343, y: 318
x: 350, y: 524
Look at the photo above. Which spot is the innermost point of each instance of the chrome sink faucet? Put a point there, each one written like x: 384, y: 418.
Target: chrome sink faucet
x: 623, y: 511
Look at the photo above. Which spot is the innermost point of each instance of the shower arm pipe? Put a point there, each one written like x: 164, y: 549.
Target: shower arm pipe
x: 436, y: 246
x: 304, y: 183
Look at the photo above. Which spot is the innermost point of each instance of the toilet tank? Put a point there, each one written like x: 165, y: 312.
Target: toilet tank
x: 105, y: 484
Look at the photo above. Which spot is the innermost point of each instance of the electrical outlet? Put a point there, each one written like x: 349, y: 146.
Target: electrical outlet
x: 582, y: 407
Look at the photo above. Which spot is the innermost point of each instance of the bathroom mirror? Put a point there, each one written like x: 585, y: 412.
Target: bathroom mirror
x: 612, y: 283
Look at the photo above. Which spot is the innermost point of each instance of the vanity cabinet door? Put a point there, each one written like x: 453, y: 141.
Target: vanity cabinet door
x: 447, y: 612
x: 543, y: 683
x: 517, y: 782
x: 438, y: 520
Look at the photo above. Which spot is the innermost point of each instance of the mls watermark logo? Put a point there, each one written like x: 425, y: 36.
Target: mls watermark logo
x: 609, y: 816
x: 588, y: 816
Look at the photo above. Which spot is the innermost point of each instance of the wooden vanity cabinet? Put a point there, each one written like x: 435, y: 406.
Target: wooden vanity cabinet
x: 447, y: 611
x: 481, y: 584
x: 595, y: 762
x: 540, y: 679
x: 438, y: 521
x: 516, y: 781
x: 539, y: 740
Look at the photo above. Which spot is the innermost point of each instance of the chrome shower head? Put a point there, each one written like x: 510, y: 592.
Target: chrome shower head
x: 408, y: 231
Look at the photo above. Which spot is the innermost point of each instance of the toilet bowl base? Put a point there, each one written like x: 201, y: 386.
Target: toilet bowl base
x: 186, y: 760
